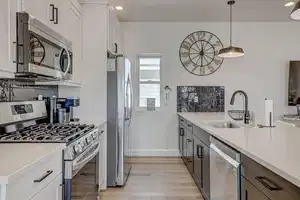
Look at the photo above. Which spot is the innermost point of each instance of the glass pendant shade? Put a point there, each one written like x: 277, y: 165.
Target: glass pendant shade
x: 296, y: 11
x: 231, y: 52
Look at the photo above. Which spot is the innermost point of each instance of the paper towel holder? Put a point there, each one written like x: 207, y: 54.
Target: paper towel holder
x: 270, y: 126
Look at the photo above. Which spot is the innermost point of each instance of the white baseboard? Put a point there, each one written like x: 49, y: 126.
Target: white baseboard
x: 155, y: 152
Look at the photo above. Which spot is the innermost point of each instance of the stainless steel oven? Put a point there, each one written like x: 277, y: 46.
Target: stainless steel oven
x: 40, y: 51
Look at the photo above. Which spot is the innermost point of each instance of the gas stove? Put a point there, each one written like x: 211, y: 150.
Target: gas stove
x: 18, y: 123
x: 46, y: 133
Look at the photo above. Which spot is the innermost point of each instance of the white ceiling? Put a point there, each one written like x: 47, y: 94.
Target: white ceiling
x: 200, y: 10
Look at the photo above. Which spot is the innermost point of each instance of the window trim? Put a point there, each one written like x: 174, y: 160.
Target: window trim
x: 138, y: 107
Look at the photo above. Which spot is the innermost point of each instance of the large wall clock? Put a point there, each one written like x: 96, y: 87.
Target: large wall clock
x: 198, y: 53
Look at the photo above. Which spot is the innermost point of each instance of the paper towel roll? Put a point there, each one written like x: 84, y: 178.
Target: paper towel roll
x: 269, y: 113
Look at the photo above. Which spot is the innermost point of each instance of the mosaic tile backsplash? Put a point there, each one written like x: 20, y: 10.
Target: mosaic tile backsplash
x: 23, y: 90
x: 200, y: 99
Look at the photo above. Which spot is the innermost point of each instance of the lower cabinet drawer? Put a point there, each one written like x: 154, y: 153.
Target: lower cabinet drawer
x: 272, y: 185
x: 53, y: 191
x: 249, y: 192
x: 25, y: 184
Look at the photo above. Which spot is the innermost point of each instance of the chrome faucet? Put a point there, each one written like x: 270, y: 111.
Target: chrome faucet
x: 246, y: 111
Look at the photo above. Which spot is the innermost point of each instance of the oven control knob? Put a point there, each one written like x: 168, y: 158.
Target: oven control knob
x: 95, y: 135
x: 88, y: 140
x: 76, y: 149
x: 80, y: 148
x: 82, y: 145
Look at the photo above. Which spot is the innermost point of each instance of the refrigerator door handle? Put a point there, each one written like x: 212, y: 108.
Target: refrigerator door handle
x: 131, y: 101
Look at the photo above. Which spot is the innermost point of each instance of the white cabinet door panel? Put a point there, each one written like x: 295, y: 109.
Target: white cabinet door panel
x: 53, y: 191
x: 8, y: 9
x: 40, y: 9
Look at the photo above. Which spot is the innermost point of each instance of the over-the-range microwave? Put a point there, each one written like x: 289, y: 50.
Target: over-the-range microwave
x: 41, y: 52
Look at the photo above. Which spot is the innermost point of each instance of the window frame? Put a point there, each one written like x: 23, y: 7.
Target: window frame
x: 141, y: 108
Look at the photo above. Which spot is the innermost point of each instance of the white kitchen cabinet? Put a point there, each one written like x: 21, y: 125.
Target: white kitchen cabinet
x: 114, y: 32
x: 31, y: 181
x: 40, y: 9
x: 8, y: 9
x: 75, y: 34
x: 53, y: 191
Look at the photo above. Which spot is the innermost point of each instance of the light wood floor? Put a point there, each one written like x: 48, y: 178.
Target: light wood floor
x: 153, y: 179
x: 156, y: 179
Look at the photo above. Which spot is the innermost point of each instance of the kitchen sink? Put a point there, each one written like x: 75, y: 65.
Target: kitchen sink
x: 226, y: 124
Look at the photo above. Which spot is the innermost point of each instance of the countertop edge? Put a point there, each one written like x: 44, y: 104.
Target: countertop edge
x: 5, y: 179
x: 269, y: 166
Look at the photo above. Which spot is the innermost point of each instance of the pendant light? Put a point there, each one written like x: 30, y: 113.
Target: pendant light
x: 296, y: 11
x: 231, y: 51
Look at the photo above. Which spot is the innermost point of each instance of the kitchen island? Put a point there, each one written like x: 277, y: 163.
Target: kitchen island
x: 277, y: 149
x: 22, y: 164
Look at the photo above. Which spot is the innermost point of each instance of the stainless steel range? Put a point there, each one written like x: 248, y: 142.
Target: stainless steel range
x: 18, y: 125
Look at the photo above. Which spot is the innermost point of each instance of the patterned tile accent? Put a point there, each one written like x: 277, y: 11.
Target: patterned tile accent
x: 200, y: 99
x: 22, y: 90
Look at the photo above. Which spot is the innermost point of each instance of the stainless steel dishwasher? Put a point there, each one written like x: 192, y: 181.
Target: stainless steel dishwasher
x: 225, y: 171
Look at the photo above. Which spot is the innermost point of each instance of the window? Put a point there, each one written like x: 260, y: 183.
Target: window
x: 149, y: 79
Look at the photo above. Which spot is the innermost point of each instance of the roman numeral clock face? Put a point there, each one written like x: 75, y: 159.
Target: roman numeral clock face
x: 198, y: 53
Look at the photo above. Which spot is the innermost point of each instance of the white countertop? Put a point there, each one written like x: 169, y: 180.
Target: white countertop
x: 15, y: 157
x: 277, y: 149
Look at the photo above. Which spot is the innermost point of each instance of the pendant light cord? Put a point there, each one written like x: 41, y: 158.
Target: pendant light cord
x: 231, y: 25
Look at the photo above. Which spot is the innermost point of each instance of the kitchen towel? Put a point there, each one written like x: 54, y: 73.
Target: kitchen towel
x: 269, y: 113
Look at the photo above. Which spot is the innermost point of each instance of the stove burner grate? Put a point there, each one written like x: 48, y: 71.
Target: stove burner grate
x: 48, y: 133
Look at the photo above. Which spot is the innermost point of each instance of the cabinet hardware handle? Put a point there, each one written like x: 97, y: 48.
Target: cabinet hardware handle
x: 44, y: 176
x: 56, y: 15
x: 268, y: 183
x: 246, y: 194
x: 116, y: 47
x: 189, y: 125
x: 181, y: 132
x: 15, y: 52
x: 182, y: 120
x: 52, y: 10
x: 189, y: 160
x: 200, y: 151
x: 189, y: 140
x: 21, y: 55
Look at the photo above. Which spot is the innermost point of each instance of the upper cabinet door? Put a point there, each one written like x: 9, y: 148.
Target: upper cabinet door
x: 8, y: 9
x: 114, y: 32
x: 75, y: 35
x: 43, y: 10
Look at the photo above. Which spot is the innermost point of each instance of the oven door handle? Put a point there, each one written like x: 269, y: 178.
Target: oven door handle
x: 69, y: 60
x: 87, y: 158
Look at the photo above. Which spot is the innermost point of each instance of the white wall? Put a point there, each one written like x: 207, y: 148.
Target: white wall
x: 262, y: 73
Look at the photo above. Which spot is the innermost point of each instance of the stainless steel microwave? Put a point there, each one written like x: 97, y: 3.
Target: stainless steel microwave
x: 41, y: 52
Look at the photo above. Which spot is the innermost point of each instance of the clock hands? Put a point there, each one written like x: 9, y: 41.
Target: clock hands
x: 200, y: 53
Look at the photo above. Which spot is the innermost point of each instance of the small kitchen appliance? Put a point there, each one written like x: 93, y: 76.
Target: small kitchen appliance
x: 41, y: 52
x: 60, y: 110
x: 18, y: 125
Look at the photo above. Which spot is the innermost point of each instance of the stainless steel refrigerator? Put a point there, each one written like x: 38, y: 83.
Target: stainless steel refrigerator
x: 119, y: 114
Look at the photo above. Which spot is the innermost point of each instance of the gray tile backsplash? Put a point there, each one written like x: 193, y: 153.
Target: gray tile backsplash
x: 200, y: 99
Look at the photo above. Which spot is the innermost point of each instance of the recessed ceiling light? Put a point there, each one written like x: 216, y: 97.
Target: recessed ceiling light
x: 288, y: 4
x: 119, y: 7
